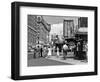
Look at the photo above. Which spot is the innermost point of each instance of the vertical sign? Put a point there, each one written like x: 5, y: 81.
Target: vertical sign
x: 68, y: 28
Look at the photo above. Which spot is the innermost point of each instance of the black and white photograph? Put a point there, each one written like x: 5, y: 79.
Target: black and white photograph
x: 53, y: 40
x: 57, y: 40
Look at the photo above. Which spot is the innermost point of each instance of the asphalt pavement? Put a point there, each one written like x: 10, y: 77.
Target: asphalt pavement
x: 45, y: 62
x: 53, y: 60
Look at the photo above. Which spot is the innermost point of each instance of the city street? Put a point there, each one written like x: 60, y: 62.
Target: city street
x: 45, y: 62
x: 54, y: 60
x: 69, y: 60
x: 57, y: 40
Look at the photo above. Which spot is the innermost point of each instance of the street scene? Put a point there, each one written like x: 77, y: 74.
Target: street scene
x: 57, y: 40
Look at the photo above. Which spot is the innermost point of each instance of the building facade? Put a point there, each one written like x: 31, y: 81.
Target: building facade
x: 44, y: 31
x: 82, y: 31
x: 38, y: 30
x: 32, y: 30
x: 70, y: 26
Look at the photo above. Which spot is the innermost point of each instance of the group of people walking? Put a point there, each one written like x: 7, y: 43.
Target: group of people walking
x: 79, y: 50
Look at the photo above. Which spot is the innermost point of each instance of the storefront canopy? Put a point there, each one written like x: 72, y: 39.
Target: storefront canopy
x: 83, y: 29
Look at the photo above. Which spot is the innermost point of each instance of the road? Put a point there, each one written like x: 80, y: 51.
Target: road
x: 44, y: 62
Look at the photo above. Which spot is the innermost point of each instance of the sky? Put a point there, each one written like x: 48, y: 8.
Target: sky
x: 57, y: 29
x: 58, y: 19
x: 53, y: 19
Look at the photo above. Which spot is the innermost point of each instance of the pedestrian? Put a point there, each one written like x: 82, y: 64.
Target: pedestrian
x: 38, y: 54
x: 75, y: 51
x: 49, y: 52
x: 41, y: 50
x: 45, y: 51
x: 85, y: 49
x: 80, y: 54
x: 65, y: 49
x: 34, y: 55
x: 78, y: 50
x: 56, y: 43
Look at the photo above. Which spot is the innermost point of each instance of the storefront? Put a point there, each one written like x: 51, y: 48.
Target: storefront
x: 81, y: 43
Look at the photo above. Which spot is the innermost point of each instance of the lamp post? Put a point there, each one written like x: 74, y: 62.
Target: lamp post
x: 38, y: 37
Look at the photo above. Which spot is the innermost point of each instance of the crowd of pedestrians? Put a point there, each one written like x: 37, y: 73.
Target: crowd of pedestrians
x: 80, y: 50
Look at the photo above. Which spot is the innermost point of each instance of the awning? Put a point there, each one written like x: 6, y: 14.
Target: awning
x: 83, y: 29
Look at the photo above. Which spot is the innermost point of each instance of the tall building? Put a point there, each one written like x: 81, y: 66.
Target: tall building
x: 83, y: 22
x: 82, y: 32
x: 70, y: 26
x: 32, y: 29
x: 38, y: 30
x: 44, y: 29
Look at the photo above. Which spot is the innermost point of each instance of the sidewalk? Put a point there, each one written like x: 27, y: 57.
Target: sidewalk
x: 68, y: 60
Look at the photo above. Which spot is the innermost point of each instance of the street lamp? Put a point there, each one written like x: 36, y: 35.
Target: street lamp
x: 38, y: 36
